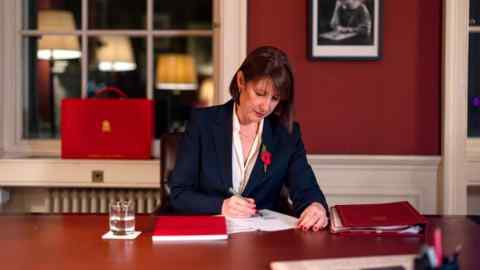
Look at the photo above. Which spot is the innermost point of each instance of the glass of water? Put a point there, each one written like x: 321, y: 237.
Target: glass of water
x: 122, y: 217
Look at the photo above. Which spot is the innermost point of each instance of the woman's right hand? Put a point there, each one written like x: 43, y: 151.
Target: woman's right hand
x: 238, y: 207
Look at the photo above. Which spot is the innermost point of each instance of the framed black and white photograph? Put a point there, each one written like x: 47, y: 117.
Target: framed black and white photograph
x: 344, y: 29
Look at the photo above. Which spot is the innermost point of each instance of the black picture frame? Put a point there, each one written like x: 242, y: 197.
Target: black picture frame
x: 345, y: 30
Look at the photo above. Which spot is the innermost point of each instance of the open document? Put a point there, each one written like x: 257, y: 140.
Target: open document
x: 265, y: 220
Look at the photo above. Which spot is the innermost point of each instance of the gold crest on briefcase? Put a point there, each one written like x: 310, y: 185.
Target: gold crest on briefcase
x: 106, y: 126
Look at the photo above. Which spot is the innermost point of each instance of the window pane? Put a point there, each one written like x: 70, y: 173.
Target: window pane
x: 118, y: 61
x: 50, y: 75
x: 183, y: 79
x: 474, y: 86
x: 474, y: 12
x: 183, y: 14
x: 46, y: 15
x: 117, y: 14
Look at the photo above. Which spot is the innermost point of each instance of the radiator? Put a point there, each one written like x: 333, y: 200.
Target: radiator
x: 78, y: 200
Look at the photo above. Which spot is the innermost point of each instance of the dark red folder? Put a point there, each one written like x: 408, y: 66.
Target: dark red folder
x: 396, y: 218
x: 187, y: 228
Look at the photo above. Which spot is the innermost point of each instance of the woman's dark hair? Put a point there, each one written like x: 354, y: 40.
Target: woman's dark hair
x: 272, y: 63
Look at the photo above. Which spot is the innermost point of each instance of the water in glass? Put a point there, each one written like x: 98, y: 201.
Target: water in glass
x: 122, y: 217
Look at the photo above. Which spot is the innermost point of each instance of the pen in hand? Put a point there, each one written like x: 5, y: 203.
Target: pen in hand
x: 238, y: 194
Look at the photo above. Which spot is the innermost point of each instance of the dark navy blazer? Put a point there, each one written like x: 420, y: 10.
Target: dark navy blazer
x: 203, y: 171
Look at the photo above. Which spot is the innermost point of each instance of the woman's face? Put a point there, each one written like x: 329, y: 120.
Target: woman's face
x: 258, y: 99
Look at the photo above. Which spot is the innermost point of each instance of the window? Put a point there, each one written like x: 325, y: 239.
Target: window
x: 228, y: 48
x: 149, y: 49
x: 473, y: 100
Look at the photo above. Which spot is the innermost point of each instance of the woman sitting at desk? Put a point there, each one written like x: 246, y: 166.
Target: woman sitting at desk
x: 235, y: 158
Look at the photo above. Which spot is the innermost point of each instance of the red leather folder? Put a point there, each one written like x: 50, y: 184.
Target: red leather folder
x: 396, y: 218
x: 188, y: 228
x: 107, y: 128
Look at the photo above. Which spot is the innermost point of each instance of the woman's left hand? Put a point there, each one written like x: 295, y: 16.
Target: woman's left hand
x: 313, y: 217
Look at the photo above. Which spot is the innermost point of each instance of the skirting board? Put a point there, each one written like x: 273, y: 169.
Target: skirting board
x: 372, y: 179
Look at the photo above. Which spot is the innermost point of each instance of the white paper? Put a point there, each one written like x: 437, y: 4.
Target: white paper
x: 110, y: 235
x: 268, y: 221
x: 355, y: 263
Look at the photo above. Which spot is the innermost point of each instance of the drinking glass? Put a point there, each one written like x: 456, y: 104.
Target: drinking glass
x: 122, y: 217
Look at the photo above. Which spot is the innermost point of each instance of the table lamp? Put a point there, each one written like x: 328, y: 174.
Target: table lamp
x: 56, y: 47
x: 206, y: 95
x: 176, y: 72
x: 115, y: 54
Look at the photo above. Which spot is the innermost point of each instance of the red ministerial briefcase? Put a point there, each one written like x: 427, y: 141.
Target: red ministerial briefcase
x: 107, y: 128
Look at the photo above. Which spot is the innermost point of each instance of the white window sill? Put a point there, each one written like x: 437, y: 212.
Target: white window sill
x: 51, y: 171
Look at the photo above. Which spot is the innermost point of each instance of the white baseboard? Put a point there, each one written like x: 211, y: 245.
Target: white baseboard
x: 372, y: 179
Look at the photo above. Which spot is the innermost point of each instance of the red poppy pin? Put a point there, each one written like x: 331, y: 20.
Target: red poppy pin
x: 266, y: 157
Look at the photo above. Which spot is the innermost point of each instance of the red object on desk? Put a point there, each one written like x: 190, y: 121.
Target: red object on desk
x: 107, y: 128
x: 186, y: 228
x: 383, y: 218
x: 438, y: 246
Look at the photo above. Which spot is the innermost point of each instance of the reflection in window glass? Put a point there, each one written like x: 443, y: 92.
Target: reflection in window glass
x: 183, y: 79
x: 57, y: 15
x: 182, y: 66
x: 474, y: 86
x: 117, y: 61
x: 50, y: 76
x: 183, y: 14
x: 117, y: 14
x: 474, y: 12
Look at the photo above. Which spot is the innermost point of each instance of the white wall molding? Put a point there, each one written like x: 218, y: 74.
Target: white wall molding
x: 2, y: 97
x: 473, y: 173
x: 54, y: 172
x: 455, y: 72
x: 231, y: 32
x: 371, y: 179
x: 343, y: 178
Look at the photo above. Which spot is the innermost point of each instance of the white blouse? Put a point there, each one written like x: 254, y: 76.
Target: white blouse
x: 241, y: 171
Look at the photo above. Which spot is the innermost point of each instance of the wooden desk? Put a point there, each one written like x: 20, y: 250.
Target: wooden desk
x: 74, y: 242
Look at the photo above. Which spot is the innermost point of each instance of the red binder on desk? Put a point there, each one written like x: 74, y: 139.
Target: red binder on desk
x: 393, y: 219
x: 190, y: 228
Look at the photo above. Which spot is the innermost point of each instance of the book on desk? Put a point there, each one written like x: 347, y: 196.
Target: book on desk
x: 387, y: 219
x: 189, y: 228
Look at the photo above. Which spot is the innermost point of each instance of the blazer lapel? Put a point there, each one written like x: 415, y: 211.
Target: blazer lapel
x: 258, y: 173
x: 222, y: 134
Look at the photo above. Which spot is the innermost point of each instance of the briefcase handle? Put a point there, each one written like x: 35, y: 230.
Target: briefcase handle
x: 104, y: 93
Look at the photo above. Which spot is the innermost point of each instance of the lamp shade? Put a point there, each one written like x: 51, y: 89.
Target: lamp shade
x: 207, y: 93
x: 176, y: 72
x: 115, y: 54
x: 57, y: 46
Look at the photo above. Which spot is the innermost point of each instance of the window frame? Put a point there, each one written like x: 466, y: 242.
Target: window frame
x: 459, y: 153
x: 229, y: 49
